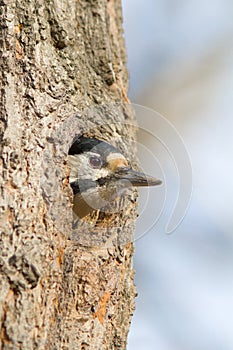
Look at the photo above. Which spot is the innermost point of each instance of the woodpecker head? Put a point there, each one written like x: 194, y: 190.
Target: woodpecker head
x: 99, y: 173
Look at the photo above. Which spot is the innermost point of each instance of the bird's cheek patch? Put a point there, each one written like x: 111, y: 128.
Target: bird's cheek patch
x: 117, y: 163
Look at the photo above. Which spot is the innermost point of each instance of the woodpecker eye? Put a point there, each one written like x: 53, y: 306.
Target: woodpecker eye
x: 95, y: 162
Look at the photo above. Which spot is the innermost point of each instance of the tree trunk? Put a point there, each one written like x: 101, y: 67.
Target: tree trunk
x: 62, y: 73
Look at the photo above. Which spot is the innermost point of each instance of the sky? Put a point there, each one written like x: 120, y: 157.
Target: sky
x: 180, y: 59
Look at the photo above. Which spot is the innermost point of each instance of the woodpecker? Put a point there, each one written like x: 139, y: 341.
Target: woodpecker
x: 99, y: 173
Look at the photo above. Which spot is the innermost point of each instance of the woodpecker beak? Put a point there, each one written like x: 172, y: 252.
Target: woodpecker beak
x: 136, y: 178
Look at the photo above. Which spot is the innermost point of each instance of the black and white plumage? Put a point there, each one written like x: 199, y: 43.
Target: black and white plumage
x: 99, y: 173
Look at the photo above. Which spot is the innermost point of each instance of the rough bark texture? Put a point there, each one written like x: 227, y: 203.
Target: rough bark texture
x: 62, y: 71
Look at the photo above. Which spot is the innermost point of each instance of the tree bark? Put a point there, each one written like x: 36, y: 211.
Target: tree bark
x: 63, y: 72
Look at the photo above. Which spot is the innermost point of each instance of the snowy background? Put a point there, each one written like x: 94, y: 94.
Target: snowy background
x: 180, y: 59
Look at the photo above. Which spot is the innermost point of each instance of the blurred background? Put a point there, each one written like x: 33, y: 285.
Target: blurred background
x: 180, y: 59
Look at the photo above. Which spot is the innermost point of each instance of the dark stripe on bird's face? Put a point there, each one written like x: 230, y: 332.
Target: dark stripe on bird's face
x: 82, y: 185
